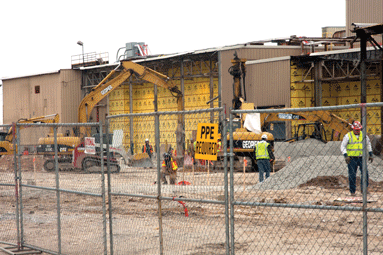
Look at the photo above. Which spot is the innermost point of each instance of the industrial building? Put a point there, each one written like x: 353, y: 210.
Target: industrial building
x: 293, y: 72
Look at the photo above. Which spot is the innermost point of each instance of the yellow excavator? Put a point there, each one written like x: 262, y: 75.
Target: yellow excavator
x: 6, y: 138
x: 313, y: 125
x: 71, y: 145
x: 245, y: 140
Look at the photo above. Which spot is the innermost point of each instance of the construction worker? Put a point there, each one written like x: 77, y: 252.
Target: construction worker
x: 352, y: 149
x: 264, y: 155
x: 169, y: 167
x: 26, y: 152
x: 147, y: 148
x: 193, y: 152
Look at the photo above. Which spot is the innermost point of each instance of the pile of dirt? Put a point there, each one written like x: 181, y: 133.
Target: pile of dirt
x: 339, y: 182
x: 28, y: 163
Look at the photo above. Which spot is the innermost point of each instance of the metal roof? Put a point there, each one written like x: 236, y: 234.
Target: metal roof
x: 30, y: 75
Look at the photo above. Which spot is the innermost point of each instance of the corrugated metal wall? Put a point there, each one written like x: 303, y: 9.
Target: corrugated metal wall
x: 268, y: 83
x: 21, y: 101
x: 59, y: 92
x: 363, y: 11
x: 70, y: 87
x: 258, y: 83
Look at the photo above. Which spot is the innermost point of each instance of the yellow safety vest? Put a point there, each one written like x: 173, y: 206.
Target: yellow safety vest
x: 173, y: 164
x: 261, y: 150
x: 354, y: 146
x: 219, y: 146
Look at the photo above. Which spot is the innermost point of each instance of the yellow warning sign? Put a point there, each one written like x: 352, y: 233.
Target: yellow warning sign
x: 207, y: 137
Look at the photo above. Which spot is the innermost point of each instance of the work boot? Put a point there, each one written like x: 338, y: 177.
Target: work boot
x: 165, y: 183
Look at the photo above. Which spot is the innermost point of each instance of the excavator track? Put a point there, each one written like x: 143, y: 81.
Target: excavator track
x: 89, y: 165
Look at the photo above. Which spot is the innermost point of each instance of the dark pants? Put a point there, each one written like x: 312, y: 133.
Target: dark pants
x: 263, y: 166
x: 352, y: 169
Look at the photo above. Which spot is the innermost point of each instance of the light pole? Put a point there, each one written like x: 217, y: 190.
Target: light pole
x: 82, y: 46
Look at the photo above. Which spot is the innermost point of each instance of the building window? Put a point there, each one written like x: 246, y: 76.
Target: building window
x: 37, y: 89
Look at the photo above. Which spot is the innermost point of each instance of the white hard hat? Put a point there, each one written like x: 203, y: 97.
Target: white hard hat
x: 147, y: 140
x: 264, y: 136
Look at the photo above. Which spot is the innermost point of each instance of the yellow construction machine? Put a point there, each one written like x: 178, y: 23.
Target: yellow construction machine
x: 314, y: 124
x: 244, y: 140
x: 6, y: 138
x: 112, y: 81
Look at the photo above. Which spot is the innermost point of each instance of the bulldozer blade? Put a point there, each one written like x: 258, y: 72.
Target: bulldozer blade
x: 142, y: 160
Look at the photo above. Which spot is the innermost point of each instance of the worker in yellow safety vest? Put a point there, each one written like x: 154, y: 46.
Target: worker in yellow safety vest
x: 352, y: 149
x: 169, y: 167
x: 264, y: 156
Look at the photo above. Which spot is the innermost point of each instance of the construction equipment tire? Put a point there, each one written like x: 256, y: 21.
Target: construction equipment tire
x: 49, y: 165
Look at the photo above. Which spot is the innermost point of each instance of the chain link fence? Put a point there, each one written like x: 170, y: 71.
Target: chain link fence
x: 305, y: 206
x: 60, y: 205
x: 109, y: 194
x: 157, y: 211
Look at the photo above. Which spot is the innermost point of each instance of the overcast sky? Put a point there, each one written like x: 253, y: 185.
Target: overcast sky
x: 41, y: 36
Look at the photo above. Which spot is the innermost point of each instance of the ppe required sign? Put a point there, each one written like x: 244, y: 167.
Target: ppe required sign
x: 207, y: 137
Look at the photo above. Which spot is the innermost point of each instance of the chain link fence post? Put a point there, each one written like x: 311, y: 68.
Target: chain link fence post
x: 231, y: 199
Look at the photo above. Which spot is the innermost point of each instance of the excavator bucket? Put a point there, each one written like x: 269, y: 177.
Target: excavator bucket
x: 142, y: 160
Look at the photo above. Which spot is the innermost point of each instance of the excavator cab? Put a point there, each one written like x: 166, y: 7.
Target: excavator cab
x: 313, y: 130
x: 3, y: 136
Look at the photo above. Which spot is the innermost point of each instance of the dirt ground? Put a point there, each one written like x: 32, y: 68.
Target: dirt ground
x: 264, y: 229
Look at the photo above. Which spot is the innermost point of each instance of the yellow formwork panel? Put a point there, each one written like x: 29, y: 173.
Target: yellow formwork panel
x: 373, y: 86
x: 298, y: 102
x: 344, y: 89
x: 126, y: 106
x: 355, y: 89
x: 326, y: 91
x: 297, y: 72
x: 373, y: 116
x: 309, y: 102
x: 349, y: 100
x: 373, y: 98
x: 116, y: 105
x: 297, y: 93
x: 329, y: 101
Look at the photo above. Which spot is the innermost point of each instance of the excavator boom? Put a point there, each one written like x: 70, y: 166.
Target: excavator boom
x: 52, y: 118
x: 69, y: 145
x: 105, y: 88
x: 328, y: 120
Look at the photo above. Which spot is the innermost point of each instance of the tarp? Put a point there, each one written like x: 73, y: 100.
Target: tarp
x: 253, y: 122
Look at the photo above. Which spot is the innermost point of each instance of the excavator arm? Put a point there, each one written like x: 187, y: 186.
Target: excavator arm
x: 328, y: 119
x: 53, y: 118
x: 107, y: 85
